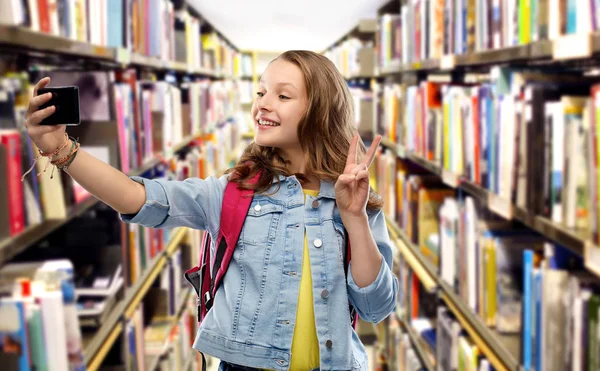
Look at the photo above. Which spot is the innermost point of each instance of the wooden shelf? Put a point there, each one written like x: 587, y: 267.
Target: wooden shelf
x: 12, y: 246
x: 389, y: 70
x: 364, y: 30
x: 99, y: 346
x: 20, y: 39
x: 500, y: 351
x: 23, y: 38
x: 151, y: 362
x: 544, y: 50
x: 426, y: 361
x: 574, y: 240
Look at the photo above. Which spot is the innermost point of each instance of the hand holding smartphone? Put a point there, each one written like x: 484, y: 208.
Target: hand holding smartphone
x: 66, y: 101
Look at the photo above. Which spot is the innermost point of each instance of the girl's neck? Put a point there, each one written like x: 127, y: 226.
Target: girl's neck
x: 313, y: 184
x: 297, y: 165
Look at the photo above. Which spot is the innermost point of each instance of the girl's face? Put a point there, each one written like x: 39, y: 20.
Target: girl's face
x: 280, y: 103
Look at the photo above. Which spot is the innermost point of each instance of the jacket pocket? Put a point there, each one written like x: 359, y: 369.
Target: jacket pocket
x: 261, y: 222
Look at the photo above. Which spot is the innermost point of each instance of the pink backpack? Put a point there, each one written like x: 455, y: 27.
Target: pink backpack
x: 236, y: 203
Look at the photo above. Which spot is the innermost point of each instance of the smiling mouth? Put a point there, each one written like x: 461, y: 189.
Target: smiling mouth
x: 267, y: 123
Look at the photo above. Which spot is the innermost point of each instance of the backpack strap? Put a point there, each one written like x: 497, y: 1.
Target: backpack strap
x: 232, y: 220
x: 236, y: 203
x: 199, y: 276
x: 347, y: 258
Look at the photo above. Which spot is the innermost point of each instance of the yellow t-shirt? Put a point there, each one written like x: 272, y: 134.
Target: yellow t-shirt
x: 305, y: 344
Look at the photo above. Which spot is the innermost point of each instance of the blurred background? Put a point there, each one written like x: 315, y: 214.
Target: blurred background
x: 489, y: 112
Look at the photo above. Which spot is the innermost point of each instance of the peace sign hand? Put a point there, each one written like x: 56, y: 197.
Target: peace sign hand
x: 352, y: 187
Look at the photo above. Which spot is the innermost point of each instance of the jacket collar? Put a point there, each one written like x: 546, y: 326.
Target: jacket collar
x: 327, y: 188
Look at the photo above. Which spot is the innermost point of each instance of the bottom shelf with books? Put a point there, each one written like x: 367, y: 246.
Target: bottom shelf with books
x: 189, y: 361
x: 97, y: 346
x: 152, y: 361
x: 489, y: 341
x: 428, y: 362
x: 501, y: 351
x: 49, y: 303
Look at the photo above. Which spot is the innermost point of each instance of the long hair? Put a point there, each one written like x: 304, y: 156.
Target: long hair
x: 325, y: 131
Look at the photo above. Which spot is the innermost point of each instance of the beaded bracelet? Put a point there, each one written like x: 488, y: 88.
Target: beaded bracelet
x: 58, y: 163
x: 72, y: 158
x: 57, y: 150
x: 64, y: 162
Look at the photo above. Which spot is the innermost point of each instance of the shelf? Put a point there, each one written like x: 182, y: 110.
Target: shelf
x: 494, y: 56
x: 189, y: 360
x: 364, y: 30
x: 33, y: 41
x: 422, y: 353
x: 99, y: 346
x: 389, y: 70
x: 429, y: 64
x: 423, y: 263
x: 12, y: 246
x: 151, y: 362
x: 427, y: 362
x: 500, y: 351
x: 17, y: 39
x: 107, y: 333
x: 574, y: 240
x: 425, y: 277
x: 140, y: 60
x: 551, y: 51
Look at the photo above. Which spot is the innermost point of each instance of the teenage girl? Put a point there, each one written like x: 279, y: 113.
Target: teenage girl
x: 284, y: 302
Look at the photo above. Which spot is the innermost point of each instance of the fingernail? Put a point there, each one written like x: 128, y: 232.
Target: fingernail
x: 48, y: 95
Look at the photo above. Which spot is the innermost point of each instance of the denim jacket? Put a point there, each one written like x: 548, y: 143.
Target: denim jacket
x: 252, y: 319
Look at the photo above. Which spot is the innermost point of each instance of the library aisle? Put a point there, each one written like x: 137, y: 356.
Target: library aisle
x: 489, y: 113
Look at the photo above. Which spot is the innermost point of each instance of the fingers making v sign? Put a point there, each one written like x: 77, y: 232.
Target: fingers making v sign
x: 352, y: 187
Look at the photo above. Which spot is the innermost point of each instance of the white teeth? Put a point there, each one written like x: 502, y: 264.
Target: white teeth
x: 268, y: 123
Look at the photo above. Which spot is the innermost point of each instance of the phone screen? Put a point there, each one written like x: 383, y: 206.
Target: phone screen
x: 66, y: 101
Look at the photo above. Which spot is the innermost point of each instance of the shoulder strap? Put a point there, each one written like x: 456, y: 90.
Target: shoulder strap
x: 347, y: 258
x: 234, y: 209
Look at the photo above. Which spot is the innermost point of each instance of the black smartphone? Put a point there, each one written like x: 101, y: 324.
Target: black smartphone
x: 66, y: 101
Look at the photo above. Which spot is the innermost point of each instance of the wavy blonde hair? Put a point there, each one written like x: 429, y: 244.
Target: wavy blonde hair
x: 325, y: 131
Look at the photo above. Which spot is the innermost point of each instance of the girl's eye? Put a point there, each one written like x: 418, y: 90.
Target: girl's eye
x: 283, y: 97
x: 260, y: 94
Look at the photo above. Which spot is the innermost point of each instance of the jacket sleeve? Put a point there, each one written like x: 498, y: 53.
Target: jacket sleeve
x: 376, y: 301
x: 193, y: 202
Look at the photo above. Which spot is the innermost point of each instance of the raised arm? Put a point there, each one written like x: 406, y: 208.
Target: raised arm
x: 100, y: 179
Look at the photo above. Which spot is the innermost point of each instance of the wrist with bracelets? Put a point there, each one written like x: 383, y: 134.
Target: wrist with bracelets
x: 60, y: 163
x: 65, y: 161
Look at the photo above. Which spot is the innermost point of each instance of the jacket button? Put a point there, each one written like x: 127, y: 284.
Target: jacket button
x: 257, y: 207
x: 318, y: 242
x: 329, y: 344
x: 324, y: 294
x: 315, y: 204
